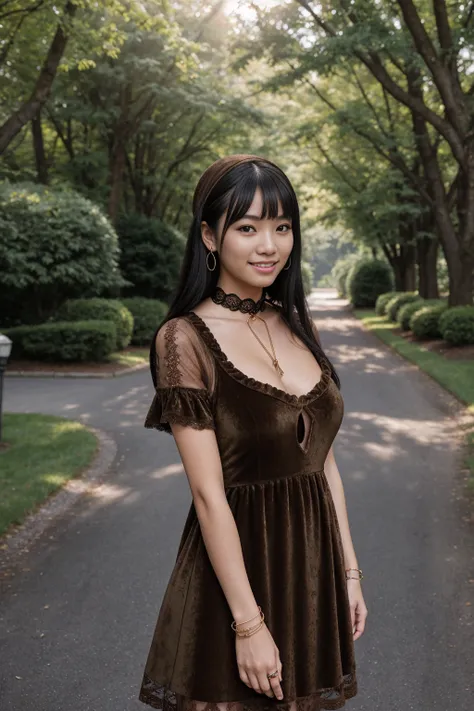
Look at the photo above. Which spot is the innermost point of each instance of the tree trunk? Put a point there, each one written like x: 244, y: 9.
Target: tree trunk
x: 42, y: 90
x: 427, y: 258
x: 38, y: 148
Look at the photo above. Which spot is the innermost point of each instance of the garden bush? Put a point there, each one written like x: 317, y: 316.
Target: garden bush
x: 65, y: 341
x: 382, y: 301
x: 147, y: 314
x: 101, y: 310
x: 397, y: 301
x: 367, y: 280
x: 457, y: 325
x: 54, y: 245
x: 151, y: 255
x: 425, y: 323
x: 341, y: 269
x: 406, y: 311
x: 307, y: 276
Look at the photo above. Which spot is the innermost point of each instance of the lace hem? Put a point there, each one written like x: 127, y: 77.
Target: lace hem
x: 180, y: 405
x: 164, y: 699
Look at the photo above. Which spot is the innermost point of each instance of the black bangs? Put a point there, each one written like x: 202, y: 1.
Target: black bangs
x: 273, y: 188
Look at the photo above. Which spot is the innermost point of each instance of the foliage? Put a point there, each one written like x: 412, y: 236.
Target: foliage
x: 307, y: 275
x: 457, y: 325
x: 425, y: 323
x: 151, y: 254
x: 54, y: 244
x: 341, y: 270
x: 382, y: 302
x: 65, y: 341
x: 406, y: 311
x: 367, y: 280
x: 100, y: 310
x: 397, y: 301
x: 147, y: 314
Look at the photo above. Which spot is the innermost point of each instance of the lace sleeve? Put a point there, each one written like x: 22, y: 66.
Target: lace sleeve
x: 183, y: 375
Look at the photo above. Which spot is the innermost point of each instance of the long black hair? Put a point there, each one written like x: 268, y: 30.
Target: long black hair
x: 235, y: 192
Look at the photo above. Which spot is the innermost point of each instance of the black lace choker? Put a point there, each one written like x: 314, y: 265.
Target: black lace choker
x: 235, y: 303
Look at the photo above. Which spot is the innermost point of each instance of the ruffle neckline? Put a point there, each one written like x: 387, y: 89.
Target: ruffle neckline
x: 316, y: 391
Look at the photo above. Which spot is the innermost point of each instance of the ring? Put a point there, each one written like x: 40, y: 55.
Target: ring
x: 273, y: 674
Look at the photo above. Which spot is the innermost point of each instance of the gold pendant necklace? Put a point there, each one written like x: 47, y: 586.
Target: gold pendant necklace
x: 272, y: 355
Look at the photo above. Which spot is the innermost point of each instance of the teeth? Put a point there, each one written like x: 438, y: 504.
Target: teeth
x: 264, y: 265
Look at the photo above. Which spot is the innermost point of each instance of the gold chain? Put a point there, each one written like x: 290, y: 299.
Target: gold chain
x: 272, y: 355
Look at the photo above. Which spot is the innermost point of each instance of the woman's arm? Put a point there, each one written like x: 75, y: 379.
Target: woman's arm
x: 201, y: 459
x: 337, y: 491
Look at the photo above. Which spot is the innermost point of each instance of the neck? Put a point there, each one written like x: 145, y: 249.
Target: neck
x: 244, y: 291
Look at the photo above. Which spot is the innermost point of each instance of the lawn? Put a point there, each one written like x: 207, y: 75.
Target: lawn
x: 457, y: 376
x: 42, y: 452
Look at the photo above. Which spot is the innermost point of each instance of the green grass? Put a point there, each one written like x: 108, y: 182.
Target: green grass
x: 43, y: 452
x: 130, y: 358
x: 456, y: 376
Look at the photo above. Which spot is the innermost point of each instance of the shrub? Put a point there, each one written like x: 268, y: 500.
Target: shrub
x: 457, y: 325
x: 101, y: 310
x: 367, y: 280
x: 425, y: 323
x: 397, y: 301
x: 307, y: 275
x: 54, y: 244
x: 341, y: 269
x: 151, y: 255
x: 382, y: 301
x: 147, y: 314
x: 64, y: 341
x: 406, y: 311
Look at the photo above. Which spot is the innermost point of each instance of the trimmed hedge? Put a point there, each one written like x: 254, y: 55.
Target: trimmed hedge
x: 55, y: 244
x: 396, y: 302
x: 65, y: 341
x: 382, y: 301
x: 457, y: 325
x: 100, y: 310
x: 367, y: 280
x: 406, y: 311
x: 425, y: 323
x: 147, y: 314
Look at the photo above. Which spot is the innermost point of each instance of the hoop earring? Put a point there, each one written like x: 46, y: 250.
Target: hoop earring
x: 207, y: 263
x: 289, y: 265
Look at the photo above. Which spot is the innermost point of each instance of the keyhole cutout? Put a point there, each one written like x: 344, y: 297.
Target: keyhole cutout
x: 303, y: 430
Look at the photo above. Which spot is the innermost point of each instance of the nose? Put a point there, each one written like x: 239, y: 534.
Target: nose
x: 267, y: 243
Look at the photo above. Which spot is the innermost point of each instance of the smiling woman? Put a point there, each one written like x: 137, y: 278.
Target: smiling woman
x: 258, y: 613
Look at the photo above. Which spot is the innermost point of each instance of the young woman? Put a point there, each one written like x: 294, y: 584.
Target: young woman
x: 264, y: 602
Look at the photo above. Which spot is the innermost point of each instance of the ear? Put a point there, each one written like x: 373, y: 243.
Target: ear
x: 208, y: 236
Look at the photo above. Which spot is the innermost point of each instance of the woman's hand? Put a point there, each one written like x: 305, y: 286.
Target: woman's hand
x: 258, y: 656
x: 357, y: 605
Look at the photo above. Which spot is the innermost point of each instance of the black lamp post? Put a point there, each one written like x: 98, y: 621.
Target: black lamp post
x: 5, y: 350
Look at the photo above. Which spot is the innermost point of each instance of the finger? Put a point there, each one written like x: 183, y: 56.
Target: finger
x: 254, y: 682
x: 280, y: 668
x: 276, y: 688
x: 265, y: 685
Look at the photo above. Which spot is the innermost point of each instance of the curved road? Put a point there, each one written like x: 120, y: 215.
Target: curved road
x: 76, y: 621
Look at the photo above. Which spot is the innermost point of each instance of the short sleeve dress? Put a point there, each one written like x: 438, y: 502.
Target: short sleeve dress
x: 273, y: 446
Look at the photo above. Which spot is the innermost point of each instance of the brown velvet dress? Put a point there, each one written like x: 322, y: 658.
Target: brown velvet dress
x: 273, y: 446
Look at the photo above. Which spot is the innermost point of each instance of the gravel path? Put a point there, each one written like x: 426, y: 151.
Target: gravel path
x: 76, y: 621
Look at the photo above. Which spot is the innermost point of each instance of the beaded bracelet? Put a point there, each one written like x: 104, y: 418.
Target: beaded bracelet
x: 357, y: 570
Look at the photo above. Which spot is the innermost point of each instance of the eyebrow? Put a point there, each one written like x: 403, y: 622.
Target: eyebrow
x: 257, y: 217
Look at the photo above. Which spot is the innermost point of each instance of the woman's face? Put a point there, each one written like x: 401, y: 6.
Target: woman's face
x: 251, y: 241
